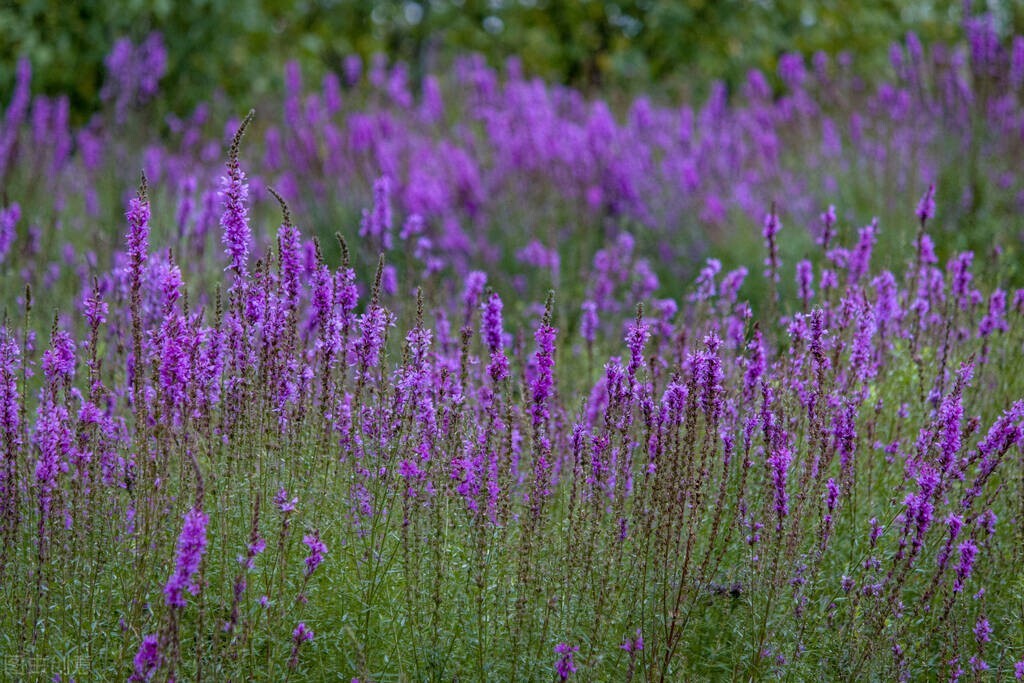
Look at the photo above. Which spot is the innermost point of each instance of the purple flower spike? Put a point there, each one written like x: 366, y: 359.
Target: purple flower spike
x: 493, y: 334
x: 191, y: 548
x: 15, y: 114
x: 982, y: 631
x: 147, y: 660
x: 805, y: 281
x: 772, y: 225
x: 138, y: 234
x: 282, y: 502
x: 317, y: 550
x: 234, y: 191
x: 544, y: 382
x: 565, y: 664
x: 59, y: 359
x: 376, y: 224
x: 588, y: 321
x: 301, y: 634
x: 968, y: 551
x: 9, y: 218
x: 636, y: 340
x: 492, y: 324
x: 778, y: 464
x: 926, y: 207
x: 473, y: 290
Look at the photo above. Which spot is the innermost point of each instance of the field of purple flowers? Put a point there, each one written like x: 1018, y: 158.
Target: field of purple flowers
x: 580, y: 390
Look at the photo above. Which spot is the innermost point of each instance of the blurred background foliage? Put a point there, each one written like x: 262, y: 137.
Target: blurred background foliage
x: 238, y: 47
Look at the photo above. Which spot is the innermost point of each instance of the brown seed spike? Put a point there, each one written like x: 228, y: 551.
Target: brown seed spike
x: 344, y: 249
x: 236, y: 141
x: 143, y: 187
x: 549, y: 306
x: 287, y: 216
x: 377, y: 279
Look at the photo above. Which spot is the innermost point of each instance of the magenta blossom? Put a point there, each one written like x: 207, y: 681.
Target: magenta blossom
x: 191, y: 547
x: 565, y: 664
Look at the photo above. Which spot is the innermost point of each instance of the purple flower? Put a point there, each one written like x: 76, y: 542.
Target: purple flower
x: 376, y: 224
x: 95, y: 309
x: 955, y: 523
x: 636, y: 340
x: 138, y: 235
x: 995, y: 321
x: 960, y: 269
x: 705, y: 285
x: 778, y: 465
x: 282, y: 502
x: 170, y: 284
x: 543, y: 381
x: 827, y: 223
x: 133, y: 73
x: 473, y: 290
x: 536, y: 254
x: 493, y: 334
x: 147, y: 660
x: 968, y: 551
x: 708, y: 368
x: 491, y: 326
x: 926, y: 207
x: 876, y: 531
x: 59, y: 359
x: 987, y: 521
x: 832, y: 494
x: 565, y: 664
x: 234, y: 192
x: 290, y: 247
x: 191, y: 548
x: 792, y: 70
x: 317, y: 550
x: 982, y: 631
x: 1017, y: 64
x: 633, y: 645
x: 373, y: 324
x: 1018, y: 670
x: 772, y: 225
x: 805, y: 280
x: 389, y: 280
x: 55, y: 442
x: 10, y: 405
x: 645, y: 281
x: 331, y: 86
x: 860, y: 257
x: 588, y: 321
x: 252, y: 551
x: 301, y: 634
x: 353, y: 69
x: 8, y: 222
x: 15, y: 114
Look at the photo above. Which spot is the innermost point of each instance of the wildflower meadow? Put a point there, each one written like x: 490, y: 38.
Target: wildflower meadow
x: 498, y: 380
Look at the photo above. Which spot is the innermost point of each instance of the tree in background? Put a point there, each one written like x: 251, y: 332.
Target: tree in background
x: 238, y: 46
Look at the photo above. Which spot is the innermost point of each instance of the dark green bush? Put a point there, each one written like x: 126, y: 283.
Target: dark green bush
x: 238, y: 46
